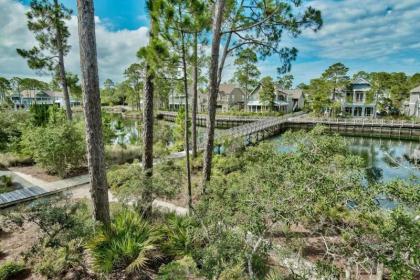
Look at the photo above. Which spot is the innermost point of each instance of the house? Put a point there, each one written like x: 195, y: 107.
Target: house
x: 177, y: 100
x: 356, y: 101
x: 229, y: 97
x: 26, y: 98
x: 412, y: 107
x: 285, y: 101
x: 294, y: 97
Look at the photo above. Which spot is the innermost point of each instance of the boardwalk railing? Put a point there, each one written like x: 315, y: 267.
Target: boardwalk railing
x: 220, y: 117
x: 252, y: 128
x: 371, y: 122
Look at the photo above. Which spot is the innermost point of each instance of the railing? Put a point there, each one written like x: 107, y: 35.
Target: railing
x: 382, y: 122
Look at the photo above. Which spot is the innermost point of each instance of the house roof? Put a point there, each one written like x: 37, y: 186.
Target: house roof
x: 228, y: 88
x: 415, y: 90
x: 360, y: 81
x: 258, y: 103
x: 294, y: 93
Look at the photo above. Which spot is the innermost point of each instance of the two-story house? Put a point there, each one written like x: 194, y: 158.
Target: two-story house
x: 26, y: 98
x: 357, y: 100
x: 229, y: 97
x: 285, y: 101
x: 412, y: 107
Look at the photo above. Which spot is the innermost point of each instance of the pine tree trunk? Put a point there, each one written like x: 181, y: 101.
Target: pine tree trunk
x: 64, y: 80
x: 148, y: 115
x: 214, y: 87
x: 195, y: 97
x: 92, y: 111
x: 186, y: 136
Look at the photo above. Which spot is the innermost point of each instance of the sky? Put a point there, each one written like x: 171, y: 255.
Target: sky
x: 367, y: 35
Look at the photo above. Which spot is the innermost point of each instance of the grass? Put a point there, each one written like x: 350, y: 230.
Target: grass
x: 11, y: 159
x: 10, y: 269
x: 117, y: 155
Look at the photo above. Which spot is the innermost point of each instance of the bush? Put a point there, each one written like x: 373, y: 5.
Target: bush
x: 52, y: 262
x: 64, y: 228
x: 184, y: 268
x: 57, y: 147
x: 130, y: 244
x: 6, y: 184
x: 117, y: 154
x: 130, y: 183
x: 12, y: 159
x: 178, y: 233
x: 11, y: 123
x: 10, y: 269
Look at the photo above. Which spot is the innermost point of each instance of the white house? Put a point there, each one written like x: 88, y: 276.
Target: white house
x: 412, y: 107
x: 26, y: 98
x: 355, y: 101
x: 285, y: 101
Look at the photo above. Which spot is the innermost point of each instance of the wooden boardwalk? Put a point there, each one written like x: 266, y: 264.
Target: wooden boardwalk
x: 39, y: 189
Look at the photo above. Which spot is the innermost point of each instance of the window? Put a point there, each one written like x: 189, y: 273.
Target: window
x: 358, y: 111
x: 368, y: 111
x: 359, y: 96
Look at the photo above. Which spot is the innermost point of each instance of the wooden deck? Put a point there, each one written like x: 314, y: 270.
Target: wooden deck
x: 40, y: 189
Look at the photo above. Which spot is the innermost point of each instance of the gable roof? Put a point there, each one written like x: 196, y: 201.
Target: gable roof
x: 228, y: 88
x: 294, y: 93
x: 360, y: 81
x: 415, y: 90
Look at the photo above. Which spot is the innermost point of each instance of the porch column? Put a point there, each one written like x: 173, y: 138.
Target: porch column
x: 363, y: 111
x: 352, y: 111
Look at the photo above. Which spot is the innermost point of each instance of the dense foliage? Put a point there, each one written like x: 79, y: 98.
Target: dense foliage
x: 58, y: 146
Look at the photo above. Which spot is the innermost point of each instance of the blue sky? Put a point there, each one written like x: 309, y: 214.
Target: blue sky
x: 367, y: 35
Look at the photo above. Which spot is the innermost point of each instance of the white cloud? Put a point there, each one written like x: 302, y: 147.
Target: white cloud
x: 116, y: 49
x: 365, y: 29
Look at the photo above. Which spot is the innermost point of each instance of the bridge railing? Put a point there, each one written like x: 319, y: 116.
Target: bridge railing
x: 383, y: 122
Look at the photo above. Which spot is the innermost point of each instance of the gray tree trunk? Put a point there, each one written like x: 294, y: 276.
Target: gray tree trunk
x: 194, y: 97
x: 92, y: 110
x: 187, y: 140
x: 64, y: 80
x: 214, y: 88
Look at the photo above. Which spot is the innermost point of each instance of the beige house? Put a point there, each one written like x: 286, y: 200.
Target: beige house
x: 229, y: 97
x: 412, y: 107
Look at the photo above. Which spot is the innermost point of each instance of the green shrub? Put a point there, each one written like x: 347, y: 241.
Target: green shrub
x: 57, y: 147
x: 116, y: 154
x: 11, y: 123
x: 178, y: 233
x: 64, y: 227
x: 6, y: 184
x: 184, y: 268
x: 130, y: 183
x: 52, y: 262
x: 10, y: 269
x: 13, y: 159
x: 130, y: 244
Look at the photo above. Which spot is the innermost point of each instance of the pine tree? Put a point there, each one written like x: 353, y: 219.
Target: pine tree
x: 46, y: 20
x: 92, y: 110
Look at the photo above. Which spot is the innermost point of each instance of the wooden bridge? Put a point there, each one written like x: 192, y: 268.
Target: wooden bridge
x: 266, y: 127
x: 221, y: 121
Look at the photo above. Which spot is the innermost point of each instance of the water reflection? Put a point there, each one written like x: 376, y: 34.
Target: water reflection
x: 387, y: 159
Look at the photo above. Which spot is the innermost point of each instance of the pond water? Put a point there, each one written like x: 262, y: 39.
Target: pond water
x: 385, y: 159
